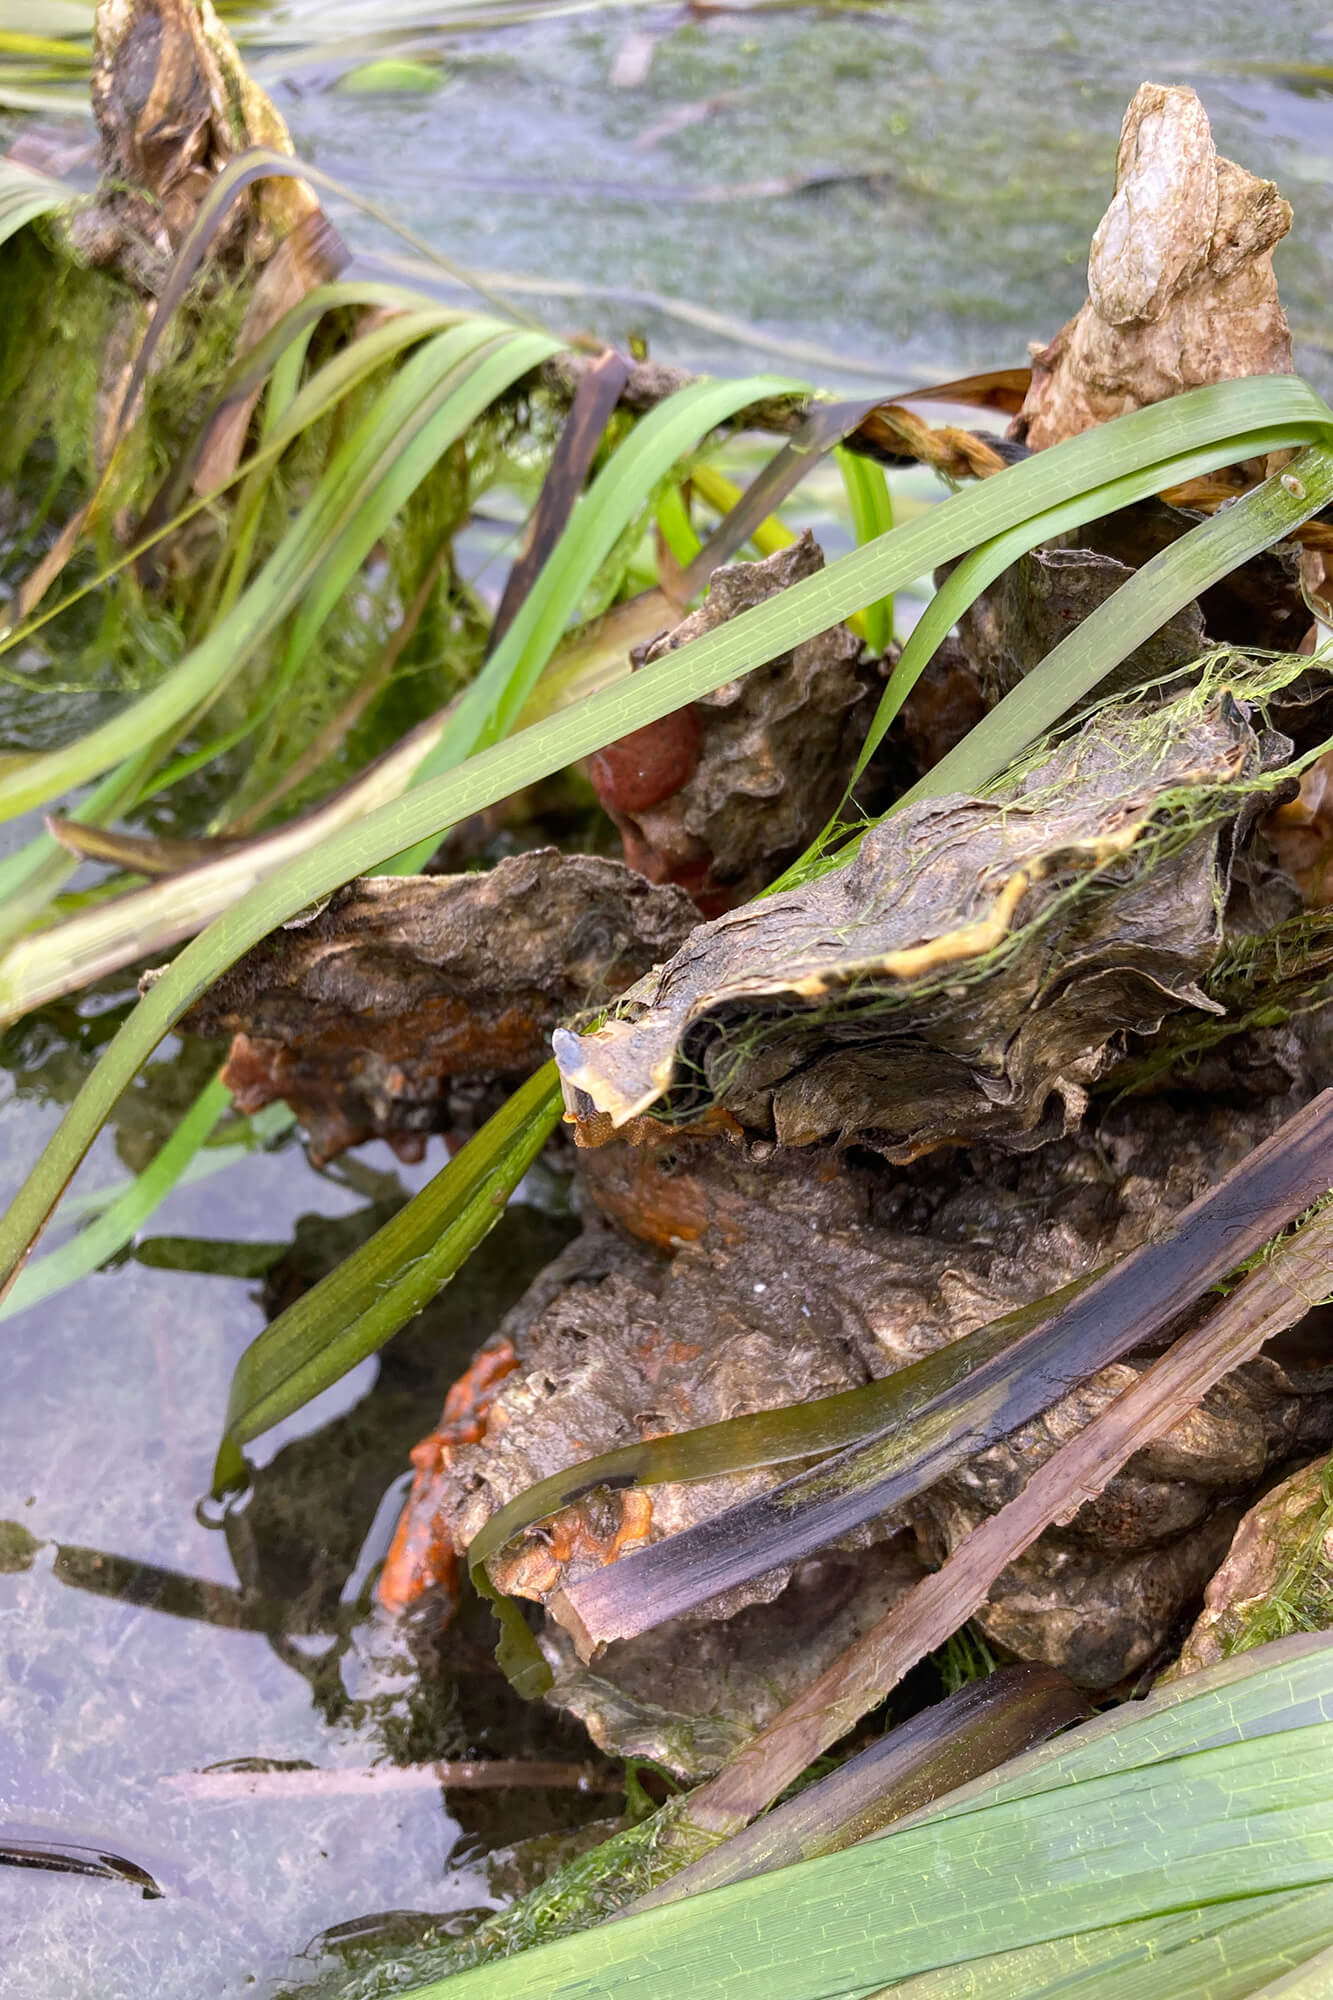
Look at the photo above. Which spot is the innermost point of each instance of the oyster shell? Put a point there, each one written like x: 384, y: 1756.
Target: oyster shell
x: 971, y: 972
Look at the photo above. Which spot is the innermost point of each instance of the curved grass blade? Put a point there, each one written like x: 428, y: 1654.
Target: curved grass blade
x: 1136, y: 610
x: 956, y: 1403
x: 676, y: 528
x: 359, y: 1305
x: 297, y: 409
x: 1221, y: 423
x: 413, y: 319
x: 255, y: 164
x: 959, y: 591
x: 438, y: 393
x: 34, y: 874
x: 492, y: 704
x: 815, y: 1429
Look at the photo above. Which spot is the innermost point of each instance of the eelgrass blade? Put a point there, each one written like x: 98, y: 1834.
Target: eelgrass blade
x: 973, y: 1392
x: 359, y: 1305
x: 955, y: 596
x: 37, y: 871
x: 872, y: 515
x: 118, y: 1224
x: 490, y: 707
x: 1216, y: 425
x: 816, y: 1429
x: 255, y: 164
x: 982, y: 1724
x: 1216, y: 1801
x: 1164, y: 585
x: 439, y: 392
x: 26, y: 195
x: 411, y: 320
x: 1195, y: 1954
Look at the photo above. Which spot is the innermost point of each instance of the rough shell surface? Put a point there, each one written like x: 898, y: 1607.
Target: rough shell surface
x: 753, y: 770
x: 360, y: 1015
x: 970, y: 972
x: 1180, y: 279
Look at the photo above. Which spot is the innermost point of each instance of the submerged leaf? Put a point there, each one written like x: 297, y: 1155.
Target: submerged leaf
x: 365, y: 1299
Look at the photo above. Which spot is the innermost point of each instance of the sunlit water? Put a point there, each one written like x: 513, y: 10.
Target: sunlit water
x: 963, y: 155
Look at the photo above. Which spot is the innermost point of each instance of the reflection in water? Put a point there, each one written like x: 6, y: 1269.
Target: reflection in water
x: 28, y: 1847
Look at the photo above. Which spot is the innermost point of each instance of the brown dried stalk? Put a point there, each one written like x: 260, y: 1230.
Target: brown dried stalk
x: 1273, y: 1297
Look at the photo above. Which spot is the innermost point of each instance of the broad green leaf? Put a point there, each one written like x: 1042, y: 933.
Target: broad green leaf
x: 1214, y: 1806
x: 1198, y: 1954
x: 355, y: 1309
x: 1219, y: 424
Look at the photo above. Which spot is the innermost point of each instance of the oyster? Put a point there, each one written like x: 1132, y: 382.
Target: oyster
x: 796, y: 1273
x: 972, y: 971
x: 722, y: 794
x: 361, y: 1014
x: 1180, y: 278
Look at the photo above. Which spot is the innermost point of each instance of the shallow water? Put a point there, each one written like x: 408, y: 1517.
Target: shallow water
x: 975, y: 147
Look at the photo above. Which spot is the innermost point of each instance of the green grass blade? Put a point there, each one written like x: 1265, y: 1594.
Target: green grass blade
x: 1228, y: 421
x: 1229, y: 1799
x: 325, y: 389
x: 490, y: 707
x: 118, y: 1224
x: 676, y: 527
x: 809, y: 1430
x: 434, y: 397
x: 1133, y: 613
x: 872, y: 515
x: 359, y: 1305
x: 412, y: 320
x: 959, y: 591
